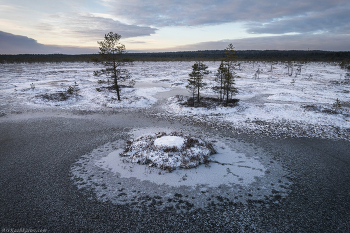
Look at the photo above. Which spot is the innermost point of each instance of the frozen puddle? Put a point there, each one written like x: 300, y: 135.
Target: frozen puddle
x: 227, y: 167
x: 230, y: 178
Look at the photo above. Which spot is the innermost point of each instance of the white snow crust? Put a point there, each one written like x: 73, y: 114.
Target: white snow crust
x: 275, y: 103
x: 169, y: 141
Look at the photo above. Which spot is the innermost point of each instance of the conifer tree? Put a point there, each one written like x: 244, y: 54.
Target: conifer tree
x: 229, y: 88
x: 230, y: 57
x: 226, y: 76
x: 111, y: 50
x: 220, y: 75
x: 195, y: 82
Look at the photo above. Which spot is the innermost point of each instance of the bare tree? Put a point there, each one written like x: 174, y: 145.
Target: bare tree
x: 298, y: 72
x: 272, y: 64
x: 290, y: 67
x: 257, y: 73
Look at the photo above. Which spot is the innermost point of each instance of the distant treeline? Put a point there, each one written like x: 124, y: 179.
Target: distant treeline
x: 205, y: 55
x: 30, y: 58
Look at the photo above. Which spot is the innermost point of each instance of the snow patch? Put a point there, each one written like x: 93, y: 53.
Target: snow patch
x: 170, y: 141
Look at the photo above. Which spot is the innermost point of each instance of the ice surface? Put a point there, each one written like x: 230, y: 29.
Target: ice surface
x: 228, y: 167
x: 237, y: 173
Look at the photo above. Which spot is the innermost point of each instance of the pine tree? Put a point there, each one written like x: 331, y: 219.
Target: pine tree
x: 230, y: 57
x: 111, y: 50
x: 220, y: 75
x: 229, y: 86
x: 226, y: 76
x: 195, y: 82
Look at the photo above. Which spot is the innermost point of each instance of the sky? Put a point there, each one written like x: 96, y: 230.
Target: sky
x: 75, y: 26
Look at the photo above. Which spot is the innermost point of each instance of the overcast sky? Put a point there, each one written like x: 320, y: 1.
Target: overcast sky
x: 75, y: 26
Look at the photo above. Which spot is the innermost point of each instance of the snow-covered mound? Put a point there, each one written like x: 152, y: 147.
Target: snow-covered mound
x: 168, y: 152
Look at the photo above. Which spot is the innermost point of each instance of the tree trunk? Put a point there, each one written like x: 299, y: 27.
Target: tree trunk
x: 221, y: 94
x: 198, y: 94
x: 116, y: 86
x: 227, y: 95
x: 193, y: 97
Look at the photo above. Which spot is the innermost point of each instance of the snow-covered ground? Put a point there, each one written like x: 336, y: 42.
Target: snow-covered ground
x: 275, y: 103
x: 17, y: 80
x: 279, y: 104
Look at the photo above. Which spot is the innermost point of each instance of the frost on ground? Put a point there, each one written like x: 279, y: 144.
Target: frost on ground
x: 46, y: 85
x: 274, y: 103
x: 237, y: 174
x: 273, y: 119
x: 277, y: 104
x: 168, y: 152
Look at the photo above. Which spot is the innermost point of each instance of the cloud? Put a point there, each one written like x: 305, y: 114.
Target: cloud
x: 333, y: 20
x: 87, y: 25
x: 136, y: 42
x: 15, y: 44
x: 205, y: 12
x: 258, y: 17
x: 284, y: 42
